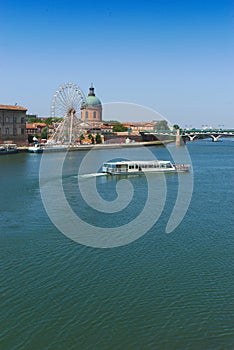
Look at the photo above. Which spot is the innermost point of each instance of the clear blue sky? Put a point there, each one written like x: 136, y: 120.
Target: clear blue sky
x: 175, y: 56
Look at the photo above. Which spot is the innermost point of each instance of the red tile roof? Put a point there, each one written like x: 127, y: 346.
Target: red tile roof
x: 35, y: 125
x: 13, y: 108
x: 31, y: 126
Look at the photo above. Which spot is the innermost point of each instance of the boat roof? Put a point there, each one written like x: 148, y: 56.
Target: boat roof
x: 139, y: 162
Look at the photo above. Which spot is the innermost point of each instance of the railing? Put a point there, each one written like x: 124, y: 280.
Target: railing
x: 193, y: 131
x: 184, y: 167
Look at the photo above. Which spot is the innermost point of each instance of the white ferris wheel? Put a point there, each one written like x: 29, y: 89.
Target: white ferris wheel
x: 66, y: 104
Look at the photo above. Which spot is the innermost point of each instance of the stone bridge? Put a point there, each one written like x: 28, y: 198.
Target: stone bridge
x: 191, y: 134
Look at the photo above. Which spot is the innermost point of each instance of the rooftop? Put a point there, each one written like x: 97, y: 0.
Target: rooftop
x: 12, y: 108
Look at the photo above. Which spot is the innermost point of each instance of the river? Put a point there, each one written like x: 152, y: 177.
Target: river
x: 154, y: 290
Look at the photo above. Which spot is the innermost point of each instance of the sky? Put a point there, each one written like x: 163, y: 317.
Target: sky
x: 173, y: 56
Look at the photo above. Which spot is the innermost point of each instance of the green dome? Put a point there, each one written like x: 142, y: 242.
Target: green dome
x: 91, y: 101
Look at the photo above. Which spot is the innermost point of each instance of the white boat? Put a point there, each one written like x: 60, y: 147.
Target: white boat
x: 142, y: 166
x: 8, y: 148
x: 37, y: 148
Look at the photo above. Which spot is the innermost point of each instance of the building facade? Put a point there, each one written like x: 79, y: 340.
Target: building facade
x: 34, y: 128
x: 91, y: 110
x: 13, y: 124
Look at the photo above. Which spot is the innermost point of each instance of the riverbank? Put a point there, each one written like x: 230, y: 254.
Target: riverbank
x: 105, y: 146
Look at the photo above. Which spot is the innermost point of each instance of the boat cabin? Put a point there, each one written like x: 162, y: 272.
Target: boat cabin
x: 123, y: 167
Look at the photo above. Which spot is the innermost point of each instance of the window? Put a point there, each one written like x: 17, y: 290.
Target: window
x: 22, y: 120
x: 86, y: 114
x: 94, y: 114
x: 22, y: 131
x: 14, y: 131
x: 7, y: 119
x: 14, y: 119
x: 7, y: 131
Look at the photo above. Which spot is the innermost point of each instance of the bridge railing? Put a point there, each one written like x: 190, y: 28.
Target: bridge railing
x: 190, y: 131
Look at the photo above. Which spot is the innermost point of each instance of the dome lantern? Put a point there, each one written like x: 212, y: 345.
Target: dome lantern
x: 91, y: 90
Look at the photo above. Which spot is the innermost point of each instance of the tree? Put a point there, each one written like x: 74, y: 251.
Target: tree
x: 90, y: 136
x: 44, y: 133
x: 119, y: 128
x: 30, y: 138
x: 176, y: 127
x: 161, y: 125
x: 98, y: 138
x: 51, y: 120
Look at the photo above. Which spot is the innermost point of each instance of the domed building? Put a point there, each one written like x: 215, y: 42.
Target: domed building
x: 91, y: 109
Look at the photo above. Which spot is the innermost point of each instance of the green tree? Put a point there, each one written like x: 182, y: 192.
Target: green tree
x: 51, y: 120
x: 44, y: 133
x: 90, y: 136
x: 98, y: 138
x: 161, y: 125
x: 30, y: 138
x: 34, y: 120
x: 119, y: 128
x: 176, y: 126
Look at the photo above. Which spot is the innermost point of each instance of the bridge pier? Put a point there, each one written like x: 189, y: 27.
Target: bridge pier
x: 179, y: 139
x: 215, y: 138
x: 191, y: 137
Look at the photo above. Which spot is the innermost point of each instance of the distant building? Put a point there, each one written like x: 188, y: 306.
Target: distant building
x: 136, y: 127
x: 91, y: 110
x: 107, y: 128
x: 13, y: 123
x: 34, y: 128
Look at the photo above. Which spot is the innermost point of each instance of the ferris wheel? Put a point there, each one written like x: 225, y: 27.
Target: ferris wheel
x: 66, y: 104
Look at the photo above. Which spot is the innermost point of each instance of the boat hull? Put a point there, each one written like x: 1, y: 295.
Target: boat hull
x: 8, y: 149
x: 144, y: 172
x: 35, y: 150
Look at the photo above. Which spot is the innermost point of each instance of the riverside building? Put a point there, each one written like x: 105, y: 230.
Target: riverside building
x: 13, y: 123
